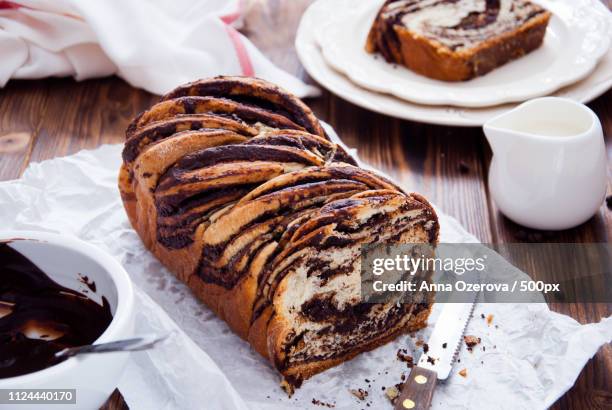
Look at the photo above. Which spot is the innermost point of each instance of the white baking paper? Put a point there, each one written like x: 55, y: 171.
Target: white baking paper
x: 532, y: 354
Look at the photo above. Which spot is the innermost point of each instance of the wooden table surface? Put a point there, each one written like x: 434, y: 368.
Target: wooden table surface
x: 55, y: 117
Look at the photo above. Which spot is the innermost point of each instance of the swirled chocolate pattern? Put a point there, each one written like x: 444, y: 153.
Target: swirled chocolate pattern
x: 234, y: 186
x: 445, y: 33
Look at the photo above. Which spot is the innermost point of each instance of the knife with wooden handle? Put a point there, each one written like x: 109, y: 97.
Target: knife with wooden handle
x: 444, y: 345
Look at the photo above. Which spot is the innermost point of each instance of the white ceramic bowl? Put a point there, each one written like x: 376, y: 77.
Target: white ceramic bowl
x: 63, y: 258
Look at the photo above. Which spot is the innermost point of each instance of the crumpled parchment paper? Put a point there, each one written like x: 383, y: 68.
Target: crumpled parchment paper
x: 532, y: 355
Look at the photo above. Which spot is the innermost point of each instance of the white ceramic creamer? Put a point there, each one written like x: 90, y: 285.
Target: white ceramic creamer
x: 549, y: 163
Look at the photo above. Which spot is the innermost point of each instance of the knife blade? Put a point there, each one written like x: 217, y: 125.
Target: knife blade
x: 444, y: 345
x: 445, y: 340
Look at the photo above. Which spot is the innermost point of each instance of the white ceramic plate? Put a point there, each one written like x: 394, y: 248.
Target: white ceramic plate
x: 310, y: 55
x: 578, y: 36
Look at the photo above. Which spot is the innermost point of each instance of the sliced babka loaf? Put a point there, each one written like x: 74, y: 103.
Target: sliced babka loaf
x: 234, y: 186
x: 455, y: 40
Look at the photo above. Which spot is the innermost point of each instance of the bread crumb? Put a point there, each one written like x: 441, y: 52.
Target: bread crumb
x: 463, y: 373
x: 392, y: 393
x: 489, y: 319
x: 359, y: 393
x: 471, y: 341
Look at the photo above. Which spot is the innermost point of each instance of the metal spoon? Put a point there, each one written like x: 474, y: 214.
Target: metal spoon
x: 128, y: 345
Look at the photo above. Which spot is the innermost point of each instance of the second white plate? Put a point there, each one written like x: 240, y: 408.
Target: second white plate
x: 310, y: 55
x: 578, y: 36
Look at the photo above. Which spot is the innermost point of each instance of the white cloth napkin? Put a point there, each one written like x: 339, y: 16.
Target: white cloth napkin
x: 152, y: 44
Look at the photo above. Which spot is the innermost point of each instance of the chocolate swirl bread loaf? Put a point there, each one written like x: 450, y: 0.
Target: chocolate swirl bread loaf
x: 233, y: 184
x: 455, y: 40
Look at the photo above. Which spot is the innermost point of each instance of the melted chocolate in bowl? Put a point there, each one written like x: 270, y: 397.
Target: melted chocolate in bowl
x: 39, y: 317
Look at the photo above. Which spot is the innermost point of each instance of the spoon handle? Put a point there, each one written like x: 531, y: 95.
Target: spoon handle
x: 128, y: 345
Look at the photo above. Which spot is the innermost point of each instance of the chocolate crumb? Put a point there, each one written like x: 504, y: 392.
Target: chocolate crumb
x: 403, y: 356
x: 443, y: 345
x: 359, y: 393
x: 323, y: 404
x: 431, y: 360
x: 482, y: 315
x: 425, y: 348
x: 420, y: 342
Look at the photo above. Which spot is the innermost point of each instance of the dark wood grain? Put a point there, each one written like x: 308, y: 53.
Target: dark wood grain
x: 55, y: 117
x: 115, y: 402
x: 19, y: 125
